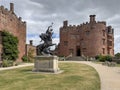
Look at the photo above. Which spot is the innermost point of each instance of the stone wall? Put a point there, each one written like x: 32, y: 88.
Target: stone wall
x: 11, y: 23
x: 30, y: 47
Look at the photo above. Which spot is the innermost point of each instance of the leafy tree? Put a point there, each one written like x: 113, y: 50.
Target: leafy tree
x: 117, y: 55
x: 10, y: 46
x: 30, y: 55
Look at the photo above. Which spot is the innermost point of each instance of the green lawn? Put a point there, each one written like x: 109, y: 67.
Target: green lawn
x: 75, y: 77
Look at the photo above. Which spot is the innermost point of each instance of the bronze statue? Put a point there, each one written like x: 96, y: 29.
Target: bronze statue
x: 44, y: 48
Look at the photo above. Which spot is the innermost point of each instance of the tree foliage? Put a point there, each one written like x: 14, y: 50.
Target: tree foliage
x: 30, y: 55
x: 117, y: 55
x: 104, y: 58
x: 25, y: 58
x: 10, y: 46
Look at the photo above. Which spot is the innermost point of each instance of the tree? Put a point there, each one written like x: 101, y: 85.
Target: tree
x: 30, y: 55
x: 10, y: 46
x: 117, y: 55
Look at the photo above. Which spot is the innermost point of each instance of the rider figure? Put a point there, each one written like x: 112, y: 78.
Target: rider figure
x: 47, y: 38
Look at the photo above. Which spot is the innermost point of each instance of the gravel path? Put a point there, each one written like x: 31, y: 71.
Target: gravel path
x: 109, y: 76
x: 22, y: 65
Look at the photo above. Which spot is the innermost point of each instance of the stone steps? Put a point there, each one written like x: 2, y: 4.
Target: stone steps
x: 78, y: 58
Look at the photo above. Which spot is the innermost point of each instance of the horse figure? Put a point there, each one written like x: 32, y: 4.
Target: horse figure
x: 44, y: 48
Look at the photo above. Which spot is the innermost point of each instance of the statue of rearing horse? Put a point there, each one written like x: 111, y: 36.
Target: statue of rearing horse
x: 44, y: 48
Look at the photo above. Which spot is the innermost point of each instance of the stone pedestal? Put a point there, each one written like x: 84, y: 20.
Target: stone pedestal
x: 46, y: 64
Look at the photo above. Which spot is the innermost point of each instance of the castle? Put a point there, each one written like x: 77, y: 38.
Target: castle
x: 30, y: 49
x: 88, y: 39
x: 11, y: 23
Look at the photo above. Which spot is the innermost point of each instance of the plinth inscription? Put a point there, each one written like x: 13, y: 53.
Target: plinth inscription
x: 46, y: 64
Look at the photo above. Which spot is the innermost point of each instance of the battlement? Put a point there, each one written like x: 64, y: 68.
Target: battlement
x: 102, y: 22
x: 92, y: 18
x: 11, y: 8
x: 92, y: 21
x: 5, y: 11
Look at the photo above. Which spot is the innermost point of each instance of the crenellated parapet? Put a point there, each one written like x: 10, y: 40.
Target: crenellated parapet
x: 4, y: 11
x: 91, y: 23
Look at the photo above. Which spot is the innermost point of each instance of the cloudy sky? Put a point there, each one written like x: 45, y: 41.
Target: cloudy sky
x: 39, y: 14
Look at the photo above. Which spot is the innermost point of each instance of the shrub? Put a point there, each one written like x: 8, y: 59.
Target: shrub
x: 7, y: 63
x: 108, y: 58
x: 30, y: 55
x: 97, y: 57
x: 25, y: 58
x: 10, y: 46
x: 104, y: 58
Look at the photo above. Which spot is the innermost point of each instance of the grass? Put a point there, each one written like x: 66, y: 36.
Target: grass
x: 75, y: 77
x: 118, y: 65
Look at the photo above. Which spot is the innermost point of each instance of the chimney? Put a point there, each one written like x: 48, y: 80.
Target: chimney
x: 65, y: 23
x: 11, y: 7
x: 31, y: 42
x: 92, y: 18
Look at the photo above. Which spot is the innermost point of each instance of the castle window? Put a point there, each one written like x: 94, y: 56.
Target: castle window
x: 110, y: 43
x: 103, y: 41
x: 103, y: 50
x: 65, y: 43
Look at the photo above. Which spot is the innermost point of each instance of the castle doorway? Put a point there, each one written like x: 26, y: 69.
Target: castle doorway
x: 78, y: 51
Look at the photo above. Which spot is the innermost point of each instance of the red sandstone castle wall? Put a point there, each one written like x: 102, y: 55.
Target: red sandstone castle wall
x: 31, y: 48
x: 90, y: 38
x: 11, y: 23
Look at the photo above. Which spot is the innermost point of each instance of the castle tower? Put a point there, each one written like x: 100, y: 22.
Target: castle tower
x: 88, y: 39
x: 12, y: 7
x: 65, y: 23
x: 92, y: 18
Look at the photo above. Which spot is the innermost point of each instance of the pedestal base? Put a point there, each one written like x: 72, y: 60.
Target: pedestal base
x: 46, y: 64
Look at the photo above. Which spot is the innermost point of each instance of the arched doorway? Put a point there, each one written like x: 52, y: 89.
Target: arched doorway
x: 78, y: 51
